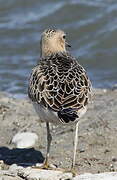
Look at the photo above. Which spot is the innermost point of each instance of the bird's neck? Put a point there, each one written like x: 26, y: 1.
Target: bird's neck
x: 47, y: 51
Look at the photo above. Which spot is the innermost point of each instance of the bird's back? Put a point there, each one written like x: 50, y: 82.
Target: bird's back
x: 58, y: 83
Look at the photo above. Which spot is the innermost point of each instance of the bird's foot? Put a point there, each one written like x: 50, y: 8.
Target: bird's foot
x: 46, y: 166
x: 43, y: 166
x: 72, y: 170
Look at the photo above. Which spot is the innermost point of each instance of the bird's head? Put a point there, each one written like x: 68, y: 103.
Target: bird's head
x: 53, y: 41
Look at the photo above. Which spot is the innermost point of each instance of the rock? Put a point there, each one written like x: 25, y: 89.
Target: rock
x: 25, y: 139
x: 6, y: 175
x: 40, y: 174
x: 14, y: 168
x: 114, y: 159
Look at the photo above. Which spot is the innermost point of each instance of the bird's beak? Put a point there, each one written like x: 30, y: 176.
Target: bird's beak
x: 67, y: 44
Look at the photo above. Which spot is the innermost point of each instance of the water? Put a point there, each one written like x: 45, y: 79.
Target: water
x: 92, y: 31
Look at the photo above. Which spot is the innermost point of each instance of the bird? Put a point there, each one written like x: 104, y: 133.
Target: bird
x: 59, y: 86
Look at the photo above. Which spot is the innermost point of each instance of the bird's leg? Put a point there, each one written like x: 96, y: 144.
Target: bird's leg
x: 75, y: 147
x: 49, y: 139
x: 72, y: 170
x: 45, y: 165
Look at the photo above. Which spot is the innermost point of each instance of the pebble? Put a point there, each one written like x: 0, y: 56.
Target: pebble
x: 114, y: 159
x: 25, y: 139
x: 15, y: 167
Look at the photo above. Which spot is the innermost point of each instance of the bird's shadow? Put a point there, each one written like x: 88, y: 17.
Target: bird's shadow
x: 23, y: 157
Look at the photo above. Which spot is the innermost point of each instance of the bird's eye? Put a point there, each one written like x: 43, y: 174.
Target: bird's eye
x: 64, y: 36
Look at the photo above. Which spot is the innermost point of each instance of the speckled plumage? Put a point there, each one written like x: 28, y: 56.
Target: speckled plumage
x: 59, y: 82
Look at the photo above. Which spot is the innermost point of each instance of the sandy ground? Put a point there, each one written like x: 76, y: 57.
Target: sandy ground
x: 97, y: 146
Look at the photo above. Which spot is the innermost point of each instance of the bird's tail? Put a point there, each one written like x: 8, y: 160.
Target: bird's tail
x: 67, y: 115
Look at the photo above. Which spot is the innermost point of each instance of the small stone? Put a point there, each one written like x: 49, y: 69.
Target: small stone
x: 81, y: 150
x: 25, y: 139
x: 15, y: 167
x: 114, y: 159
x: 1, y: 164
x: 106, y: 151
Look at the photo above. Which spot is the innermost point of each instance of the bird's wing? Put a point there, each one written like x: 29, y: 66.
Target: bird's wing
x: 59, y: 82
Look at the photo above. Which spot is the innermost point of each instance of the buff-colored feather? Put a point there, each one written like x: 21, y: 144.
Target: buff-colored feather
x: 52, y: 42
